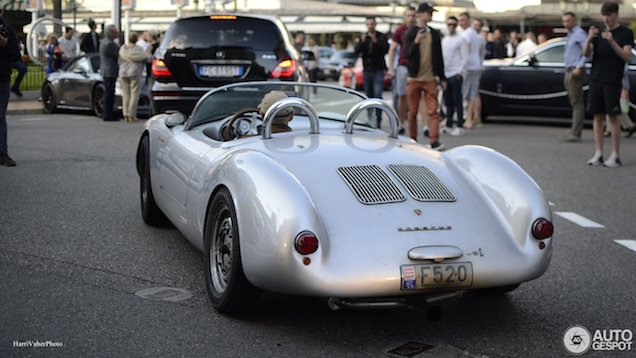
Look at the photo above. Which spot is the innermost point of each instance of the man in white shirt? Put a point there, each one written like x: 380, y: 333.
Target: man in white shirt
x: 69, y: 42
x: 455, y: 53
x: 527, y: 44
x: 470, y: 87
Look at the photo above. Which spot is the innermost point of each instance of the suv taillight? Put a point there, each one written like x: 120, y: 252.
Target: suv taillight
x: 284, y: 70
x: 160, y: 70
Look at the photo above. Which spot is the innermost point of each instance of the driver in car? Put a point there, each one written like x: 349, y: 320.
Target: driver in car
x: 279, y: 123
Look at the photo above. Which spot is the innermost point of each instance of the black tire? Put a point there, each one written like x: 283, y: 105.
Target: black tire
x: 496, y: 290
x: 97, y: 100
x: 229, y: 290
x: 49, y: 104
x: 150, y: 212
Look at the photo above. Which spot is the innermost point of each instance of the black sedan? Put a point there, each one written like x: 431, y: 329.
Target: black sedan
x: 79, y: 86
x: 532, y: 83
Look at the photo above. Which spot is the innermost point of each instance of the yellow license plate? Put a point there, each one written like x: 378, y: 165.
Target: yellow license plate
x: 417, y: 277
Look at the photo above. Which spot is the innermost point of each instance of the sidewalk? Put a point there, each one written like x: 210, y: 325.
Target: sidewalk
x: 28, y: 104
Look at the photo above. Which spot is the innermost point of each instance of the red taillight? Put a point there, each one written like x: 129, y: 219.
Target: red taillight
x: 542, y: 229
x: 306, y: 243
x: 285, y: 69
x: 160, y: 70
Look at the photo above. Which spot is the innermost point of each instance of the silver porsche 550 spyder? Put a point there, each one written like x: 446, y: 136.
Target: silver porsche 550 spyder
x: 336, y: 208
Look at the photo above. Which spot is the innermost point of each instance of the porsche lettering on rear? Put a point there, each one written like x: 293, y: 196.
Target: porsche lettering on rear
x: 424, y: 228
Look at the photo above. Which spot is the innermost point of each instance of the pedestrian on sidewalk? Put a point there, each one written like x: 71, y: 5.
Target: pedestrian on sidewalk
x: 108, y: 56
x: 22, y: 70
x: 132, y: 62
x: 575, y: 76
x: 455, y: 52
x: 372, y: 47
x: 423, y: 48
x: 9, y: 53
x: 611, y: 48
x: 474, y: 70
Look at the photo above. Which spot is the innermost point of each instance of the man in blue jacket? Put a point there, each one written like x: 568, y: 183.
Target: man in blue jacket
x: 9, y: 52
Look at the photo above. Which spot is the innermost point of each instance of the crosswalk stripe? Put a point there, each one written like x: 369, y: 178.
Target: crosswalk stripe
x: 578, y: 219
x: 630, y: 244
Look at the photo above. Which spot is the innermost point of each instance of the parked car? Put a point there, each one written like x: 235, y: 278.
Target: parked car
x: 325, y: 54
x: 204, y: 52
x: 352, y: 77
x: 336, y: 208
x: 532, y: 83
x: 338, y: 61
x: 79, y: 86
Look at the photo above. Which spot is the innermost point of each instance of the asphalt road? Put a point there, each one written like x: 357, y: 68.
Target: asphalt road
x: 74, y: 251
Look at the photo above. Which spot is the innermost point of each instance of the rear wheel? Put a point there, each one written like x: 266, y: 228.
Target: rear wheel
x: 48, y: 99
x: 229, y: 290
x: 97, y: 100
x: 150, y: 212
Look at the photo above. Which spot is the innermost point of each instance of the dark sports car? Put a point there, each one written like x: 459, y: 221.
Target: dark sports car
x: 532, y: 83
x: 79, y: 86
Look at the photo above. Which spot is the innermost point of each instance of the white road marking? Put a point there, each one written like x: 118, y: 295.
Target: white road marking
x: 34, y: 119
x: 630, y: 244
x: 578, y: 219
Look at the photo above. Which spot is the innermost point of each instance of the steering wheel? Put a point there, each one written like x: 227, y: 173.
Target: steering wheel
x: 237, y: 115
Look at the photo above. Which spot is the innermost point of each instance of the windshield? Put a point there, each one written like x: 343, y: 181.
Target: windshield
x: 206, y: 32
x: 330, y: 102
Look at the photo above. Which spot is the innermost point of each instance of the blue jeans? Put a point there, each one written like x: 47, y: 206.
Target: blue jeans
x: 454, y: 101
x: 22, y: 69
x: 373, y: 82
x: 5, y: 90
x: 109, y: 97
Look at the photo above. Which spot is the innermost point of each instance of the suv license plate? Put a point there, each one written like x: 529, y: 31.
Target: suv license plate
x: 220, y: 71
x: 458, y: 274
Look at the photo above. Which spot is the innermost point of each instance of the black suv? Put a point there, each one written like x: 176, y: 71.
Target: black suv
x: 200, y: 53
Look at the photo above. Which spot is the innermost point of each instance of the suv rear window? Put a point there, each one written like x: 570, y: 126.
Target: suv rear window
x: 204, y: 32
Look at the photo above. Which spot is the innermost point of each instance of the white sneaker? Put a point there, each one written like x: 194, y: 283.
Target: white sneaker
x: 436, y: 146
x: 446, y: 130
x: 612, y: 162
x: 596, y: 160
x: 457, y: 131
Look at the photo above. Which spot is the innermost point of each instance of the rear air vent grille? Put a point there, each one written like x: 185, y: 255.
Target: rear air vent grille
x: 421, y: 183
x: 371, y: 185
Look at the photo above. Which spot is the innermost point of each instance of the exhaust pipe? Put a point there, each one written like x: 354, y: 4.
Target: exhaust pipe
x: 431, y: 312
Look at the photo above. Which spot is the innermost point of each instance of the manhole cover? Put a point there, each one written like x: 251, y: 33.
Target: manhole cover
x: 410, y: 349
x: 164, y: 294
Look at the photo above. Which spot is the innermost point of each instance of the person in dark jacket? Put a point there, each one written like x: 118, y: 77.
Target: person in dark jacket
x: 372, y: 47
x: 9, y: 53
x: 109, y: 68
x: 90, y: 40
x: 423, y: 48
